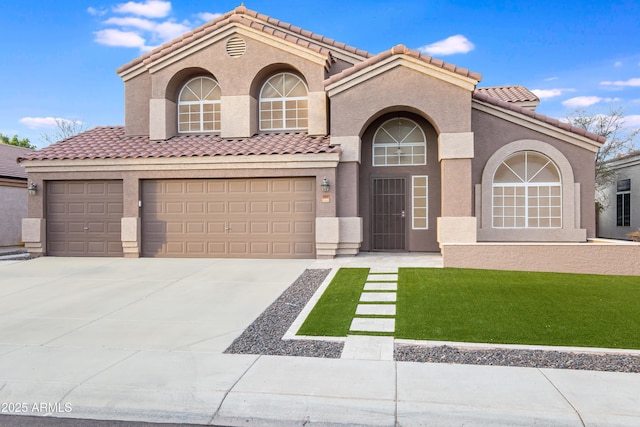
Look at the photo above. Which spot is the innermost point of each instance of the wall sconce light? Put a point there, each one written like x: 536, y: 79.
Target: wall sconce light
x: 32, y: 188
x: 325, y: 186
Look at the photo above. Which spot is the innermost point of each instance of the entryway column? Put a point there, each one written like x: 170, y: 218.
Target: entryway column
x: 457, y: 223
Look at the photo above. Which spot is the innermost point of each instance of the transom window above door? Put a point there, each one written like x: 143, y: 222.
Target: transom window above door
x: 284, y: 103
x: 399, y: 142
x: 199, y: 106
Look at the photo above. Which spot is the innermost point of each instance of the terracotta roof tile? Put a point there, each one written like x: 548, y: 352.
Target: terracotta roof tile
x: 111, y: 143
x: 510, y: 93
x: 247, y: 17
x: 402, y: 50
x: 9, y: 167
x: 485, y: 97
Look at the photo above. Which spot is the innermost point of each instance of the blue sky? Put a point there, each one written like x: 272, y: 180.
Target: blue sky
x: 59, y: 58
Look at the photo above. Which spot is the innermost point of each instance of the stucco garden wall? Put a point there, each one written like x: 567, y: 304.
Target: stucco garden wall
x: 594, y: 257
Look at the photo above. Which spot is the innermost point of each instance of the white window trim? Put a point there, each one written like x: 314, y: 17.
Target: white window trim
x: 201, y: 103
x: 282, y: 99
x: 623, y: 193
x: 526, y: 186
x: 398, y: 144
x: 413, y: 198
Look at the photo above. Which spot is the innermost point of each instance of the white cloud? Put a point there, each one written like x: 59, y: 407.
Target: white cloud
x: 95, y: 12
x: 632, y: 121
x: 149, y: 9
x: 45, y: 122
x: 618, y: 64
x: 550, y: 79
x: 550, y: 93
x: 163, y: 31
x: 206, y: 16
x: 587, y: 101
x: 449, y: 46
x: 143, y: 24
x: 635, y: 82
x: 118, y: 38
x: 169, y: 30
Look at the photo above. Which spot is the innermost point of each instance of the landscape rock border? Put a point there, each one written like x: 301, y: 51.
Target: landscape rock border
x: 264, y: 336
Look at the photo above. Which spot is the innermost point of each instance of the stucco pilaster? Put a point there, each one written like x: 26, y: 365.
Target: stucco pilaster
x: 455, y: 145
x: 34, y: 235
x: 162, y: 119
x: 237, y: 116
x: 318, y: 113
x: 131, y: 237
x: 350, y: 146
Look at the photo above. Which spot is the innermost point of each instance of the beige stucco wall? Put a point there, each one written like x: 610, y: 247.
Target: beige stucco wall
x: 137, y: 93
x: 587, y: 258
x: 491, y: 133
x: 446, y: 106
x: 238, y: 77
x: 607, y: 224
x: 13, y: 207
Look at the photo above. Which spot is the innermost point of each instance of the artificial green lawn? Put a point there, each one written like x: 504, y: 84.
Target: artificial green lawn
x: 495, y: 307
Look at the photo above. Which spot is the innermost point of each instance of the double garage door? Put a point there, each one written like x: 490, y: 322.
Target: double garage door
x: 242, y: 218
x: 250, y: 218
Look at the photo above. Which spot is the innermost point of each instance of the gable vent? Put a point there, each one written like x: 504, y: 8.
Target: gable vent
x: 236, y: 47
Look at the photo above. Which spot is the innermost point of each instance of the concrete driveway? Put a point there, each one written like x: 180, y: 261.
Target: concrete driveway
x: 95, y: 333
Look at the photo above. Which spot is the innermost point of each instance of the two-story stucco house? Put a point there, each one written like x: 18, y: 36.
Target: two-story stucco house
x: 250, y: 137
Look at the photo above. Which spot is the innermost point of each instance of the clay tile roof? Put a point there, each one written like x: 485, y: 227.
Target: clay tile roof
x: 510, y: 93
x: 247, y: 17
x: 485, y: 97
x: 9, y: 167
x: 402, y: 50
x: 111, y: 143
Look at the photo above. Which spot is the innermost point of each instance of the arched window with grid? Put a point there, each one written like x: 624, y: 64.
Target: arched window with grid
x: 199, y: 106
x: 284, y: 103
x: 527, y: 192
x: 399, y: 142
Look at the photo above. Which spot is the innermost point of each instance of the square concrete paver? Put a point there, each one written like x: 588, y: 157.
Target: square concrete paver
x: 360, y: 324
x: 378, y: 297
x: 381, y: 286
x: 363, y: 347
x: 382, y: 278
x: 376, y: 309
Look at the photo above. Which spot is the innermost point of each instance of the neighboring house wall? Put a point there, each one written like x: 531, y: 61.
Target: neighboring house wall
x: 625, y: 168
x: 13, y: 207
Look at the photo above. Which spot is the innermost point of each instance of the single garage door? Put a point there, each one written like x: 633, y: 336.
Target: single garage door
x: 240, y: 218
x: 83, y: 218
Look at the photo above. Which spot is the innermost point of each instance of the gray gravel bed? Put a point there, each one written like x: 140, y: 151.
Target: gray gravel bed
x: 523, y: 358
x: 264, y: 336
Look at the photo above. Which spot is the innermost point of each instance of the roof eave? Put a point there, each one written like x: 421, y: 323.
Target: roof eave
x: 540, y: 123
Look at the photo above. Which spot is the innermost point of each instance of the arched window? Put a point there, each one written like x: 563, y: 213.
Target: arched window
x: 283, y: 103
x: 199, y: 106
x: 527, y: 192
x: 399, y: 142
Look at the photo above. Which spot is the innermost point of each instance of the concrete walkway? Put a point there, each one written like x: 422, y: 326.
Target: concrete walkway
x: 142, y: 340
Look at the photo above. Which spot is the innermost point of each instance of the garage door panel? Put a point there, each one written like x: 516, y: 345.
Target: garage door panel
x: 303, y: 207
x: 303, y: 227
x: 84, y: 218
x: 228, y: 217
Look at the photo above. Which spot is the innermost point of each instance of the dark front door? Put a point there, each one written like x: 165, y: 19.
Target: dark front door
x: 389, y: 212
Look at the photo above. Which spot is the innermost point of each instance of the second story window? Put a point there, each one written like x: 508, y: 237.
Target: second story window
x: 199, y: 106
x: 283, y: 103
